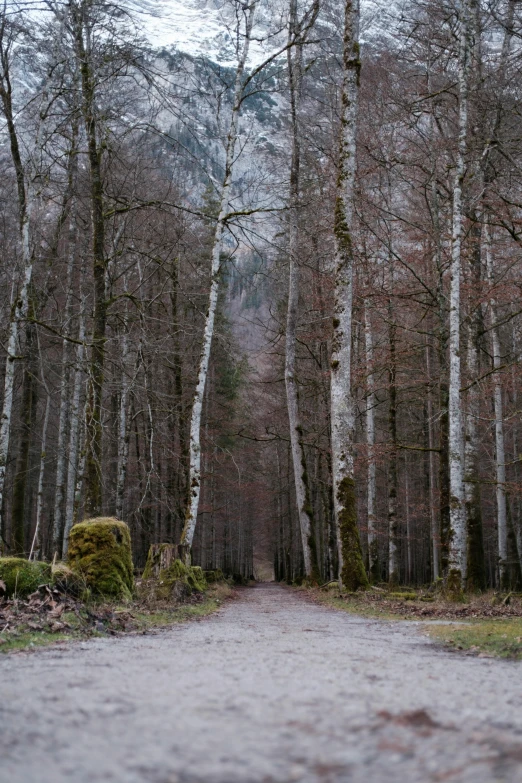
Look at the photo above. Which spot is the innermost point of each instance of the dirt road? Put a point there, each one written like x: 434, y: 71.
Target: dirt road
x: 272, y: 688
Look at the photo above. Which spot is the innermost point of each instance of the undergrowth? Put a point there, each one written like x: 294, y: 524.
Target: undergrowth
x: 25, y: 626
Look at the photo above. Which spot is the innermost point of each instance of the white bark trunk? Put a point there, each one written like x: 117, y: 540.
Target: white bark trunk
x: 500, y: 453
x: 434, y: 520
x: 61, y: 456
x: 41, y: 472
x: 75, y: 420
x: 292, y: 400
x: 351, y: 570
x: 195, y: 422
x: 123, y: 429
x: 18, y: 316
x: 457, y: 549
x: 370, y: 442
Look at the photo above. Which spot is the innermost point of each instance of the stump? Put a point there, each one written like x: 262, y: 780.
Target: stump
x: 161, y: 557
x: 100, y: 551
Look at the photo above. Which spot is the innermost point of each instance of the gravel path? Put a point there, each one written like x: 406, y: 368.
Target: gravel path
x: 271, y: 689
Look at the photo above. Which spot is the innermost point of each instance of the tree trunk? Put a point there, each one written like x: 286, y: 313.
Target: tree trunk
x: 457, y: 546
x: 302, y: 491
x: 187, y: 535
x: 434, y: 526
x: 393, y: 478
x: 75, y: 421
x: 373, y: 547
x: 93, y: 431
x: 351, y: 566
x: 500, y: 454
x: 21, y: 298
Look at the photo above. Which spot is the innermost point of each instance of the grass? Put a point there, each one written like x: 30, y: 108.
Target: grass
x: 354, y: 605
x: 498, y: 638
x: 23, y: 640
x: 129, y: 618
x: 472, y: 627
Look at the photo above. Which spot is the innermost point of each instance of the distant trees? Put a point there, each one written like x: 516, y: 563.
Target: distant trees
x: 162, y: 216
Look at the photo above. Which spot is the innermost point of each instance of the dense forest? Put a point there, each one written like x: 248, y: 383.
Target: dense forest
x: 266, y: 305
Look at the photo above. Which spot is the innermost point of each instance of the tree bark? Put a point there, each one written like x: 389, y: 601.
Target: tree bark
x: 500, y: 452
x: 351, y: 567
x: 21, y: 298
x: 457, y: 547
x: 373, y: 548
x: 187, y: 535
x: 302, y: 491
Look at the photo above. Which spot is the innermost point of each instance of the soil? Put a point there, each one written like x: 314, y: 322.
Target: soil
x: 273, y: 688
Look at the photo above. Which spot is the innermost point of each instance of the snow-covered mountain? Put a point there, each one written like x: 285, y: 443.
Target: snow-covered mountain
x: 206, y: 27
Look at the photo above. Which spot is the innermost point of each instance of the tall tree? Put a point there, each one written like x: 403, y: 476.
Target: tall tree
x: 351, y: 565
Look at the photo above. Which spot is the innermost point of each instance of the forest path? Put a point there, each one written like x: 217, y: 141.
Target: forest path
x: 272, y: 688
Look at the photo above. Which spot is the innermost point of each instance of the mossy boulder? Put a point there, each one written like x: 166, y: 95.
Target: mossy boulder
x: 100, y: 553
x: 22, y: 577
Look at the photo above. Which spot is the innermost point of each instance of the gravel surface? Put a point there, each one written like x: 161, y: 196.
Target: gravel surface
x: 273, y: 689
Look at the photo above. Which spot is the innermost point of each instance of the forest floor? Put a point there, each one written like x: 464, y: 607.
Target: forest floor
x: 49, y: 616
x: 271, y: 688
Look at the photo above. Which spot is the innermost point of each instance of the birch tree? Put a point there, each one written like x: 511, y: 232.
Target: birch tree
x: 351, y: 567
x: 304, y: 508
x: 500, y: 452
x: 215, y: 280
x: 373, y: 549
x: 20, y: 303
x: 457, y: 550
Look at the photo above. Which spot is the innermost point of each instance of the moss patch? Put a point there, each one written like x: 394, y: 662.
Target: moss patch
x: 499, y: 638
x: 176, y: 583
x: 353, y: 572
x: 22, y: 577
x: 100, y: 551
x: 214, y: 576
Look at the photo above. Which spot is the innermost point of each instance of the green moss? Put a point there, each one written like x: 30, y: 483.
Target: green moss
x: 214, y: 576
x: 403, y: 596
x: 500, y: 638
x: 100, y: 551
x: 153, y: 560
x: 22, y: 577
x: 178, y: 581
x: 453, y: 590
x: 196, y: 579
x: 353, y: 572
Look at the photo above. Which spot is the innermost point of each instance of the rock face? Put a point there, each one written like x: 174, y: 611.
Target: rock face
x: 22, y: 577
x: 100, y: 550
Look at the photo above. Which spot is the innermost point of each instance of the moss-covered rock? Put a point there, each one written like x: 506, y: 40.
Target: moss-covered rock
x: 100, y: 552
x: 22, y: 577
